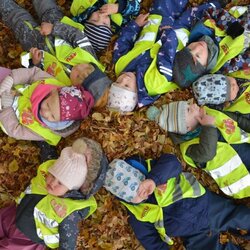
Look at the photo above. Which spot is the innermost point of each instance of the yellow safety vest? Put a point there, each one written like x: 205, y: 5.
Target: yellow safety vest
x: 228, y: 47
x: 155, y: 82
x: 51, y: 210
x: 226, y: 167
x: 79, y: 6
x: 54, y: 62
x: 185, y: 186
x: 26, y: 116
x: 229, y: 128
x: 242, y: 103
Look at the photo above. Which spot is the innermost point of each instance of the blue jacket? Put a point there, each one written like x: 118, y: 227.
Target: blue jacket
x: 166, y: 54
x: 182, y: 218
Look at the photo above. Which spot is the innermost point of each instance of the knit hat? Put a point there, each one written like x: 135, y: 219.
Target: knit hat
x: 211, y: 89
x: 170, y: 117
x: 121, y: 98
x: 185, y: 70
x: 96, y: 83
x: 75, y: 103
x: 213, y: 51
x: 38, y: 95
x: 71, y: 167
x: 123, y: 180
x: 98, y: 35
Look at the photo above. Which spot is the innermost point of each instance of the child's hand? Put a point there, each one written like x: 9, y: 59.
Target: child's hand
x: 146, y: 188
x: 46, y: 28
x: 36, y: 55
x: 205, y: 119
x: 142, y: 19
x: 109, y: 8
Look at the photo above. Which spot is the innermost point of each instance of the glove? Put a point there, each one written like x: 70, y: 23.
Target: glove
x: 7, y: 99
x: 6, y: 84
x: 235, y: 29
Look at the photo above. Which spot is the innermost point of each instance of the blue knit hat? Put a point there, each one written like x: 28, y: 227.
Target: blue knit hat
x: 123, y: 180
x: 211, y: 89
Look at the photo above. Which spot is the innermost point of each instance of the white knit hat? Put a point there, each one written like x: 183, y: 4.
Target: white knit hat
x: 121, y: 98
x: 71, y: 167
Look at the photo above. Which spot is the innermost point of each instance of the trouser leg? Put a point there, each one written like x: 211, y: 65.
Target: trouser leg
x: 22, y: 24
x: 47, y: 10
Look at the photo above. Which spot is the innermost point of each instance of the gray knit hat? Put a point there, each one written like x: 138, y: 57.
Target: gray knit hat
x: 123, y: 180
x: 96, y: 83
x: 170, y: 117
x: 185, y: 70
x: 98, y: 35
x: 211, y: 89
x: 213, y: 51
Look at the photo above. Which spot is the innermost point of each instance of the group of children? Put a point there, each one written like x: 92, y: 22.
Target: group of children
x: 170, y: 47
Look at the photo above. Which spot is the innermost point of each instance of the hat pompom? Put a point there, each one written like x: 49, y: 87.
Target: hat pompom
x: 79, y: 146
x: 152, y: 113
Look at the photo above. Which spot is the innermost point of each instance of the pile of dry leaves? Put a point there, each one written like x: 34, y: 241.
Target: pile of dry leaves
x: 120, y: 136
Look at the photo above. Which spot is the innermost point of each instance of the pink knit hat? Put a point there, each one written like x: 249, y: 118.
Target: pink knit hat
x: 39, y: 93
x: 75, y: 102
x: 71, y: 167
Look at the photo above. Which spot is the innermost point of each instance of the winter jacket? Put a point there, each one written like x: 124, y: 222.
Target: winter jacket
x: 182, y: 218
x: 8, y: 117
x: 68, y: 227
x: 209, y: 136
x: 167, y: 39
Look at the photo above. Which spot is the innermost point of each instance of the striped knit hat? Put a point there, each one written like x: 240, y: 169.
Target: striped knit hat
x: 170, y: 117
x: 98, y: 35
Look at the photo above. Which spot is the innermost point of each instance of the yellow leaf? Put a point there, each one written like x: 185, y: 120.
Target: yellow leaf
x: 13, y: 167
x: 98, y: 116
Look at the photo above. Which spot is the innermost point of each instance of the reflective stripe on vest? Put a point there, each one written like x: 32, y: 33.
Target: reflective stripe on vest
x: 26, y: 116
x: 229, y: 128
x: 51, y: 210
x: 238, y: 11
x: 65, y: 53
x: 154, y: 81
x: 144, y: 42
x: 181, y: 187
x: 228, y: 47
x: 226, y: 168
x: 242, y: 103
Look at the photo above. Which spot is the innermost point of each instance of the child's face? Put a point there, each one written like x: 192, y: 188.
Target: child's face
x: 127, y: 80
x: 234, y: 88
x: 50, y: 107
x: 99, y: 18
x: 54, y: 186
x: 80, y: 72
x: 193, y: 111
x: 199, y: 51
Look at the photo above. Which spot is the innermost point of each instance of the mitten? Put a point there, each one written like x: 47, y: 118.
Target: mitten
x: 152, y: 113
x: 235, y: 29
x: 7, y: 99
x: 6, y: 84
